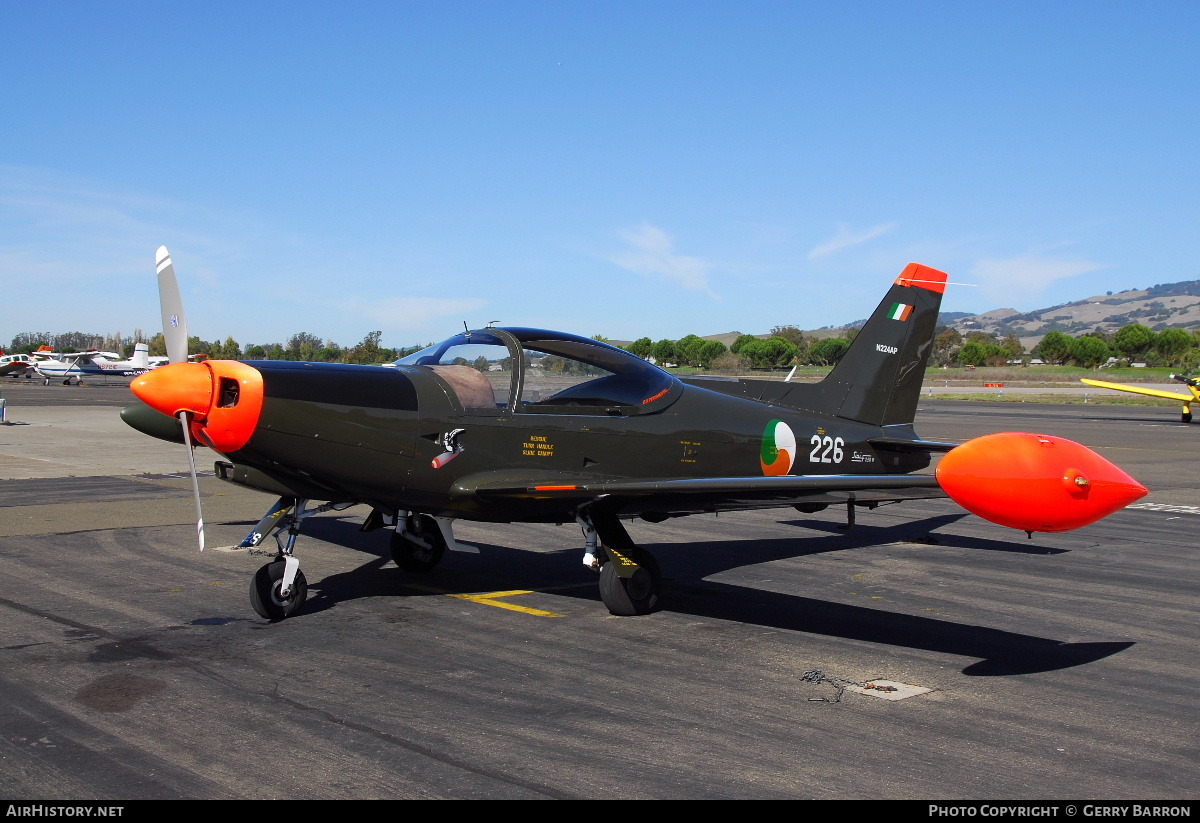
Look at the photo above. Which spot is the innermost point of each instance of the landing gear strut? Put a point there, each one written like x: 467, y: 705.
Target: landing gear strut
x: 630, y: 580
x: 279, y: 588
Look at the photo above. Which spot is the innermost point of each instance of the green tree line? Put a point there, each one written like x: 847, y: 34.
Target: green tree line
x: 785, y: 346
x: 1132, y: 343
x: 302, y: 346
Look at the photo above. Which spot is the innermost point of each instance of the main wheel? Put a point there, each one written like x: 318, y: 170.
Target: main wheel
x: 629, y: 596
x: 1187, y: 417
x: 413, y: 557
x: 265, y: 592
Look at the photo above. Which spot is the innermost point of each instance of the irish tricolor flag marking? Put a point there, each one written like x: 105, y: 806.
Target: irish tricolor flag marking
x: 900, y: 311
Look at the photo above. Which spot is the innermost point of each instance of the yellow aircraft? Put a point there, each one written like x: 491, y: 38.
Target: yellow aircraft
x: 1192, y: 383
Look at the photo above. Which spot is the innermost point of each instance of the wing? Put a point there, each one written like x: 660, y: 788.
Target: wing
x: 672, y: 496
x: 77, y: 357
x: 1169, y: 395
x: 16, y: 366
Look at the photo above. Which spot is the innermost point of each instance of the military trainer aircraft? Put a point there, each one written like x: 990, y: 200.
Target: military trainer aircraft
x: 528, y: 425
x: 1186, y: 399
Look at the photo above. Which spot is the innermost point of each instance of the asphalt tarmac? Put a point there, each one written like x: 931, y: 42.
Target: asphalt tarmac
x: 1061, y: 667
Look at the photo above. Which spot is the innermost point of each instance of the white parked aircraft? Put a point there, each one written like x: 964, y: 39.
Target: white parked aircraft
x: 70, y: 368
x: 15, y: 365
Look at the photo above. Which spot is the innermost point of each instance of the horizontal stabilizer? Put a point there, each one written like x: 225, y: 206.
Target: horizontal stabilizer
x: 899, y: 444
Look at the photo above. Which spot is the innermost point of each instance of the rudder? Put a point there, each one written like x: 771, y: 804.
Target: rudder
x: 141, y: 356
x: 878, y: 380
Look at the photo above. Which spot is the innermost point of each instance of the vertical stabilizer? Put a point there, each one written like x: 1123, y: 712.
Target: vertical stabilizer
x: 878, y: 380
x: 141, y: 356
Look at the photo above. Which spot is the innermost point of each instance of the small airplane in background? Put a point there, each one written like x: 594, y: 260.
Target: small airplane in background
x: 523, y: 425
x: 1186, y: 399
x: 72, y: 367
x: 18, y: 365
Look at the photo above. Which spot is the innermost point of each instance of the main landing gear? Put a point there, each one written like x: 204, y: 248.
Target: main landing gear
x: 417, y: 543
x: 630, y: 580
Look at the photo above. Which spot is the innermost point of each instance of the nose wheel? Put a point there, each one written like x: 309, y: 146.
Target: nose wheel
x: 272, y: 595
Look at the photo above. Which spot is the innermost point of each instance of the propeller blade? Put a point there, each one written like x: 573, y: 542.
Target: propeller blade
x: 173, y: 323
x: 187, y: 441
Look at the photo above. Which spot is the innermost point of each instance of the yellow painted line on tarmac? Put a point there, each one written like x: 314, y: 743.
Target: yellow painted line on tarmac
x: 492, y: 599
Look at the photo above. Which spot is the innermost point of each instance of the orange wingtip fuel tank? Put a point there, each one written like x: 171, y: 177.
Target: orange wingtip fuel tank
x: 224, y: 398
x: 1035, y: 482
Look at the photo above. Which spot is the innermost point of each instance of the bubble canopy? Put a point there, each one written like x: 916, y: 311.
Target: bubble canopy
x: 539, y: 371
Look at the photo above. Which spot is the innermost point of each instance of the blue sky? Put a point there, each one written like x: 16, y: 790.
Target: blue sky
x: 616, y: 168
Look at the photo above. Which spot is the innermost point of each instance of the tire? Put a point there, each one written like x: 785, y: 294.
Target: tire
x: 1187, y: 417
x: 639, y: 594
x: 264, y: 592
x: 414, y: 558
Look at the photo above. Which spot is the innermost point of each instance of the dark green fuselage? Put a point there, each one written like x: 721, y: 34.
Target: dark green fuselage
x: 371, y: 435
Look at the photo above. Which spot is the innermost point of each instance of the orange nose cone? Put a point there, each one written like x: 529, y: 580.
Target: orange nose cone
x: 1035, y: 482
x: 176, y: 387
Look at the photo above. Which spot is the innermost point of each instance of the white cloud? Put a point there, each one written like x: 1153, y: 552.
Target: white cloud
x: 1025, y: 276
x: 67, y: 230
x: 847, y: 238
x: 653, y: 255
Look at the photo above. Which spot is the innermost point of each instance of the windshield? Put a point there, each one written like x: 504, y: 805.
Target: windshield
x: 574, y: 373
x: 555, y: 372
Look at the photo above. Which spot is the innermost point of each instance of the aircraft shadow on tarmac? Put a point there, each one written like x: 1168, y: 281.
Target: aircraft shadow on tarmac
x: 915, y: 531
x: 687, y: 590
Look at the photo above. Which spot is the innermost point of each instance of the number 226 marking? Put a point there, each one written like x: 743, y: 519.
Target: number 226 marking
x: 826, y: 449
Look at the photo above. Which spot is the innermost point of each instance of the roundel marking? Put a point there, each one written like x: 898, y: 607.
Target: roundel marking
x: 778, y: 449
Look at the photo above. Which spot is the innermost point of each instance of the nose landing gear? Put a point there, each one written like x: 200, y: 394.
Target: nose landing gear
x: 275, y: 593
x: 279, y: 588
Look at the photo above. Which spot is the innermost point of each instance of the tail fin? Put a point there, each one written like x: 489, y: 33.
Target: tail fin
x: 141, y: 356
x: 878, y: 380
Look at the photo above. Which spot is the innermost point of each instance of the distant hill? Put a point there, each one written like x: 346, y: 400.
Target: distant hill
x: 1158, y: 307
x: 1169, y: 304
